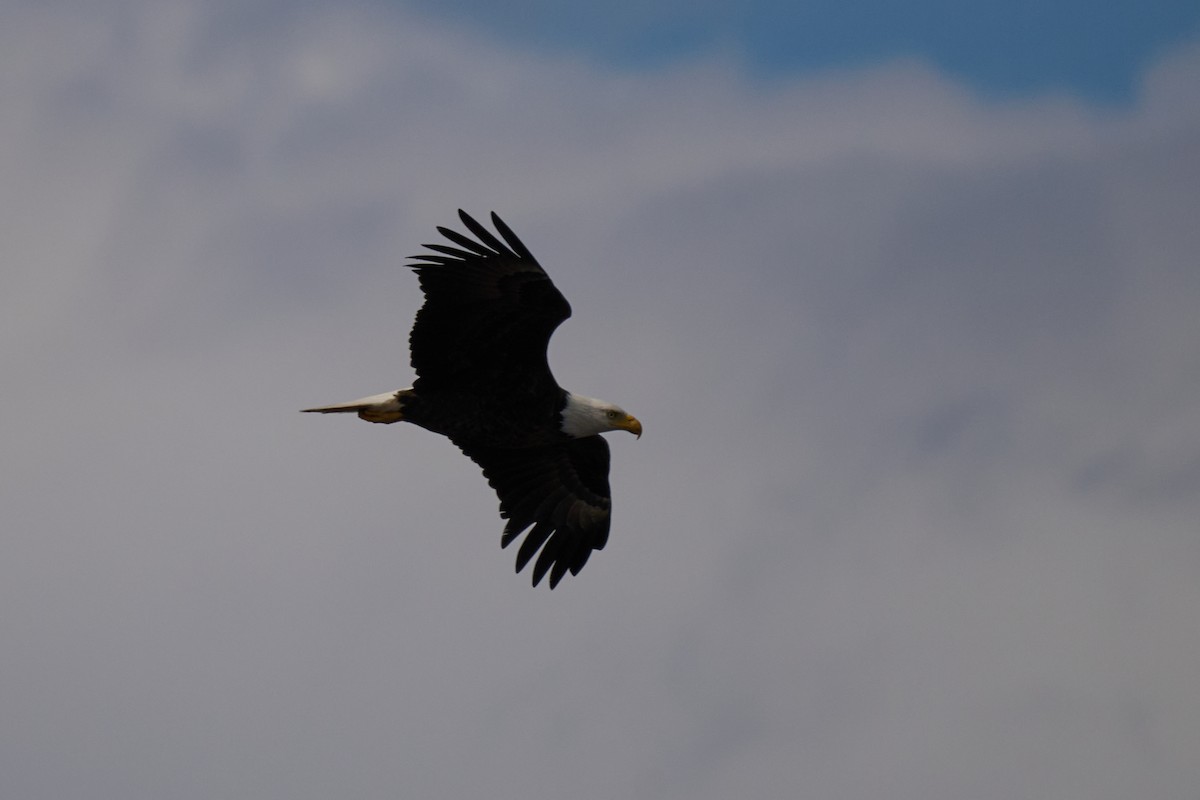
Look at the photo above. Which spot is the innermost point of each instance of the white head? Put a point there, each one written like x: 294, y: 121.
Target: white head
x: 587, y: 416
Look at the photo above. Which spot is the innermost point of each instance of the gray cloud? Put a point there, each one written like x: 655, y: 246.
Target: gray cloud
x: 915, y: 511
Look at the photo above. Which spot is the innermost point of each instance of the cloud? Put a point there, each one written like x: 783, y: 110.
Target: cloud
x: 914, y: 511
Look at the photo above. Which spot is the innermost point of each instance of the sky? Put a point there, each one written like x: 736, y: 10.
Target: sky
x: 910, y: 326
x: 999, y: 47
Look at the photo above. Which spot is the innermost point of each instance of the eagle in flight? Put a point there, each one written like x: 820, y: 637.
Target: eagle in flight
x: 479, y: 351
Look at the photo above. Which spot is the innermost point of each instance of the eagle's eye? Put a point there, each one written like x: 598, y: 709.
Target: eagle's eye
x: 611, y: 414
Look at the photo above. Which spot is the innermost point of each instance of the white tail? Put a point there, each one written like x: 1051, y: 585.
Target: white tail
x: 386, y: 408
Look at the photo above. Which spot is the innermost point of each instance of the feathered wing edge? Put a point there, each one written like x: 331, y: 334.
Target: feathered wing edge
x: 487, y: 246
x: 562, y: 492
x: 489, y: 311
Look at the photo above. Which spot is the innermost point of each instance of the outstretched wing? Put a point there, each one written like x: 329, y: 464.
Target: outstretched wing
x: 562, y: 491
x: 488, y: 315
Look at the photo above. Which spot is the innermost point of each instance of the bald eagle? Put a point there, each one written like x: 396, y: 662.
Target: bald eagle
x: 478, y: 348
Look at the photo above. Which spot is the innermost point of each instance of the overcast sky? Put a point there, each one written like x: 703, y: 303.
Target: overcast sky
x: 913, y: 337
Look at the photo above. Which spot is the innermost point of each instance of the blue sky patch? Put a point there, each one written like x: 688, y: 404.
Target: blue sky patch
x: 1092, y: 49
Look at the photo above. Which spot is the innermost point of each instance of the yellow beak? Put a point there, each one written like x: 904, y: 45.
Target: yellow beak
x: 631, y: 424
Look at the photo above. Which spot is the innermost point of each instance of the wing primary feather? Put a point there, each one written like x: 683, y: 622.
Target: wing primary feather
x: 511, y: 532
x: 514, y: 242
x: 483, y: 234
x: 427, y: 259
x: 544, y: 562
x: 557, y: 572
x: 447, y: 249
x: 472, y: 245
x: 516, y: 524
x: 533, y: 542
x: 558, y: 550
